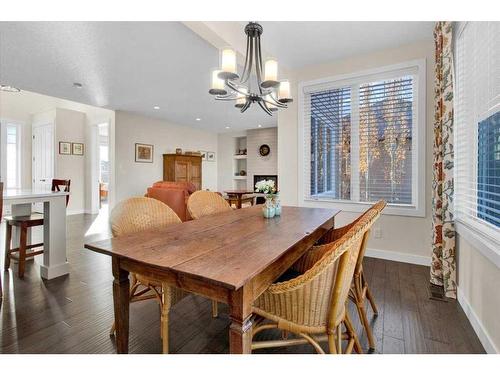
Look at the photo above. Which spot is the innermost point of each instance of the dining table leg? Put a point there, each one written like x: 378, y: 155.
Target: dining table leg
x: 240, y: 330
x: 121, y: 290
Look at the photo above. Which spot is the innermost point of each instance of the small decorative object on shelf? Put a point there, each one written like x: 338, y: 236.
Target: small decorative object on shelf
x: 243, y: 172
x: 178, y: 151
x: 268, y: 188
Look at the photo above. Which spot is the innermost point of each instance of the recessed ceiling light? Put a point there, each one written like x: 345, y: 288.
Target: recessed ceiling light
x: 156, y: 107
x: 78, y: 85
x: 259, y: 126
x: 8, y: 88
x: 198, y: 119
x: 228, y: 127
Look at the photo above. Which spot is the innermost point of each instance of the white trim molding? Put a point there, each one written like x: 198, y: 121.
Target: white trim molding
x: 478, y: 327
x: 398, y: 257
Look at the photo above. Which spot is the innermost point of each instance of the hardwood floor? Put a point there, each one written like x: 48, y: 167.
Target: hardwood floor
x: 73, y: 314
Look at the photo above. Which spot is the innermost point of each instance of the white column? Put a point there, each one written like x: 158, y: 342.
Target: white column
x: 55, y: 263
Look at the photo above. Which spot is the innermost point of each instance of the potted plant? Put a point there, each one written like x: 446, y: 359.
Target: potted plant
x: 268, y: 188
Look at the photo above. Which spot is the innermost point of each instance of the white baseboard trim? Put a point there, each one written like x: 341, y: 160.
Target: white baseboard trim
x: 398, y: 257
x: 74, y: 212
x: 478, y: 327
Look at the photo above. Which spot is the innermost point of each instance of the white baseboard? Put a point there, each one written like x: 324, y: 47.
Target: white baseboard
x: 478, y: 327
x: 398, y: 257
x: 74, y: 212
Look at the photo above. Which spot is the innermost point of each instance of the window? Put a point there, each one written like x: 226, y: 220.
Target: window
x: 11, y: 155
x: 362, y: 134
x: 477, y: 133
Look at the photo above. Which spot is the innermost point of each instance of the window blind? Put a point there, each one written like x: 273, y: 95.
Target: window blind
x: 358, y: 138
x: 477, y: 126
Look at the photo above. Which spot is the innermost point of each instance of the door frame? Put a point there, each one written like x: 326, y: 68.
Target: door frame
x: 3, y: 151
x: 92, y: 186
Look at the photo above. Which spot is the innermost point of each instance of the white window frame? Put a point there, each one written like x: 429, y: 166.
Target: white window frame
x: 417, y: 208
x: 479, y: 233
x: 19, y: 125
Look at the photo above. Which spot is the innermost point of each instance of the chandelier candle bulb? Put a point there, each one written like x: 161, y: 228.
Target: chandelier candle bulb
x: 217, y: 84
x: 284, y: 92
x: 270, y: 74
x: 228, y: 64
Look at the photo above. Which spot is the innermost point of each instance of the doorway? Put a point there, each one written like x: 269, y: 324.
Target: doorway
x: 104, y: 165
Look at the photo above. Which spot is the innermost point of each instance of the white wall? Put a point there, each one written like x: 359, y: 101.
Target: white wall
x: 132, y: 179
x: 478, y: 282
x: 27, y: 106
x: 70, y: 127
x: 257, y: 164
x: 403, y: 238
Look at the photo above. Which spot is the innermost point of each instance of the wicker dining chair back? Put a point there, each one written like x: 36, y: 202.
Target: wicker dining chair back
x: 316, y: 299
x: 204, y: 203
x: 139, y: 214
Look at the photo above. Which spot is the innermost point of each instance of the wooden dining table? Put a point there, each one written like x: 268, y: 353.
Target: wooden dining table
x: 239, y: 195
x: 231, y: 258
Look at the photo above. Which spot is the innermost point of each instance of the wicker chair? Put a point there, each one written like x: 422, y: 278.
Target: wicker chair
x: 313, y: 305
x: 359, y: 289
x: 204, y: 203
x: 140, y: 214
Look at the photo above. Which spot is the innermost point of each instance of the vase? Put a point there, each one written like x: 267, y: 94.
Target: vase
x: 277, y: 206
x: 268, y: 208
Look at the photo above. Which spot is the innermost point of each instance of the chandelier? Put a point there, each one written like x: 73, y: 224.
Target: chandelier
x: 227, y: 85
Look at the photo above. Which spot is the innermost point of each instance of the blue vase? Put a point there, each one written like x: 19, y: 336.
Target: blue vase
x: 277, y: 206
x: 268, y: 208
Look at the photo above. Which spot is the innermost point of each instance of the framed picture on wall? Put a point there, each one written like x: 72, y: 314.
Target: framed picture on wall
x: 65, y: 148
x: 77, y: 149
x: 143, y: 153
x: 210, y: 156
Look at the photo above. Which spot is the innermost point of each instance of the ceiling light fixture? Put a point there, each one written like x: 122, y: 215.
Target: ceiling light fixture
x: 228, y: 127
x: 8, y: 88
x: 77, y: 85
x: 259, y: 126
x: 156, y: 107
x: 272, y: 94
x: 198, y: 119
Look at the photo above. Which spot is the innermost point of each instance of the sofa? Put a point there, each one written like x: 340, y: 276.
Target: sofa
x: 174, y: 195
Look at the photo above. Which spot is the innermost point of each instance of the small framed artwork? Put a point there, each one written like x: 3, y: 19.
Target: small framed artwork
x: 143, y: 153
x: 203, y: 155
x: 77, y: 149
x: 210, y: 156
x: 65, y: 148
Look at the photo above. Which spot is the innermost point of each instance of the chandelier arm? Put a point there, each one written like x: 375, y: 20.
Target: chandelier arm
x: 245, y: 74
x: 232, y: 86
x: 275, y: 102
x: 260, y: 53
x: 226, y: 98
x: 258, y: 64
x: 250, y: 61
x: 245, y: 106
x: 263, y: 106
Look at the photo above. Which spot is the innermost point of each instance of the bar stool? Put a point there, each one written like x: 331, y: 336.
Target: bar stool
x: 23, y: 223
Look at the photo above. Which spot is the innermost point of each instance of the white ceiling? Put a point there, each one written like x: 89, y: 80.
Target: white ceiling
x: 298, y: 44
x: 134, y: 66
x: 130, y: 66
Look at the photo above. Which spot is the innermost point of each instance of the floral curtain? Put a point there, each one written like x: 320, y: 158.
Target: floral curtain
x: 443, y: 267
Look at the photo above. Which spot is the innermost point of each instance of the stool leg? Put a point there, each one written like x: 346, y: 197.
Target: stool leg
x: 22, y: 251
x: 8, y: 239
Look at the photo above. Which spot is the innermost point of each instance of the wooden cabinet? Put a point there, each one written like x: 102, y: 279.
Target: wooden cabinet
x: 182, y: 168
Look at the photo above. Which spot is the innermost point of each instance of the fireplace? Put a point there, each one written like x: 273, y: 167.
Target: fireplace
x: 257, y: 178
